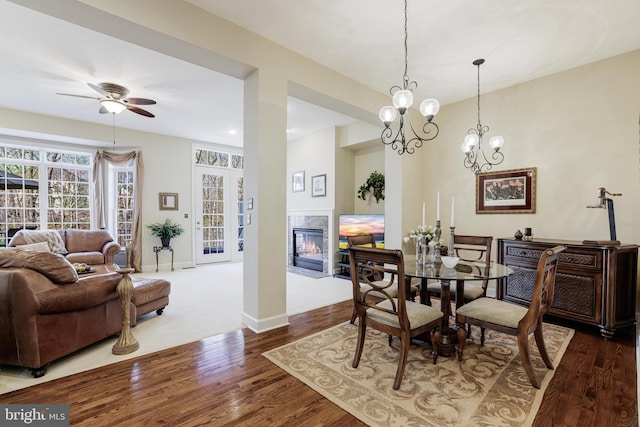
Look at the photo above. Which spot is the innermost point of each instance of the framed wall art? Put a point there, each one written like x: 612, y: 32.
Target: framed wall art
x: 168, y: 201
x: 319, y: 185
x: 297, y: 181
x: 508, y: 191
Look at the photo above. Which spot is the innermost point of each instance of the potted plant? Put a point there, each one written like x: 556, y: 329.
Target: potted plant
x: 165, y: 231
x: 374, y: 185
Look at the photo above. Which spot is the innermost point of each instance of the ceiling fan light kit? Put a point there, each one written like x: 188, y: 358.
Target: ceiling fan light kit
x: 113, y: 106
x: 114, y: 99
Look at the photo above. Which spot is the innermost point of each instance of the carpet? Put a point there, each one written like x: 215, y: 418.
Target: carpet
x: 489, y: 386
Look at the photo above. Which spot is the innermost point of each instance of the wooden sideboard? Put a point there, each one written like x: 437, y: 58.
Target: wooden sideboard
x: 595, y: 282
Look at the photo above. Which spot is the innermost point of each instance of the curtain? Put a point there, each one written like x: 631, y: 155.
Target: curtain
x: 101, y: 165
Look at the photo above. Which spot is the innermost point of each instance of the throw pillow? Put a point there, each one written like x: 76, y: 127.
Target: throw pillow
x: 36, y: 247
x: 52, y: 237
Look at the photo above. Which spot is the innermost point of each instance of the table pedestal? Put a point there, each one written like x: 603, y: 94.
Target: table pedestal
x: 448, y: 337
x: 126, y: 341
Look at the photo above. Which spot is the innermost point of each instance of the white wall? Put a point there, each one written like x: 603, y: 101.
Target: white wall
x: 315, y: 155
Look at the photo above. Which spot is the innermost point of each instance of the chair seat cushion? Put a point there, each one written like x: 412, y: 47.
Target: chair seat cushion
x: 418, y: 314
x: 494, y: 311
x: 470, y: 292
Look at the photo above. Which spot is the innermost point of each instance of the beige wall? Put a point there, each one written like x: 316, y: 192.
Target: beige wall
x: 579, y: 129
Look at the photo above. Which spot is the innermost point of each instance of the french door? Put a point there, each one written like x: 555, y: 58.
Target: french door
x: 218, y: 224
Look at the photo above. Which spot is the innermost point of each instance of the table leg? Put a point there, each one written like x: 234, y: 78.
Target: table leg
x: 445, y: 348
x: 171, y: 258
x: 157, y: 261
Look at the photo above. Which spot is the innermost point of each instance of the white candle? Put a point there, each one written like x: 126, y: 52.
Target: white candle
x: 423, y: 207
x: 438, y: 207
x: 452, y: 210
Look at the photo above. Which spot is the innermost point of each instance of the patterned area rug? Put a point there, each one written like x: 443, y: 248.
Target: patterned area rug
x: 489, y: 387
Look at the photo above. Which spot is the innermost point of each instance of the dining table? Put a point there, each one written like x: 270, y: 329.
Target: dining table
x: 464, y: 271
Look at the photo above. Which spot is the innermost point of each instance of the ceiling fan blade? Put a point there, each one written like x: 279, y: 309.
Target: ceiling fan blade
x: 103, y: 110
x: 139, y: 101
x: 77, y: 96
x: 97, y: 89
x: 139, y: 111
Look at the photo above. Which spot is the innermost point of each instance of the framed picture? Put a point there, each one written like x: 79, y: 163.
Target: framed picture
x: 297, y: 181
x: 168, y: 201
x: 509, y: 191
x: 319, y: 185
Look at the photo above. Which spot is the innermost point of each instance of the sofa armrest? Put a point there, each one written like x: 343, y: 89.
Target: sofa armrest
x: 110, y: 249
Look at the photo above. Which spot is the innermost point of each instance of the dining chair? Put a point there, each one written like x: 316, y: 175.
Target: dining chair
x: 369, y: 241
x: 395, y: 316
x: 514, y: 319
x: 470, y: 249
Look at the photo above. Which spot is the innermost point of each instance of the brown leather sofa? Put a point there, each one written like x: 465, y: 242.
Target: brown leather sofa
x: 82, y: 246
x: 47, y: 311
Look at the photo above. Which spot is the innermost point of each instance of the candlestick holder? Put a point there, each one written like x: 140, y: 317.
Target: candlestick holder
x: 437, y: 241
x: 450, y: 251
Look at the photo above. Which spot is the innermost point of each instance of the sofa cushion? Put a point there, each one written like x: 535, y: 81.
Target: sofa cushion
x: 86, y: 240
x: 91, y: 258
x: 54, y: 266
x: 88, y: 291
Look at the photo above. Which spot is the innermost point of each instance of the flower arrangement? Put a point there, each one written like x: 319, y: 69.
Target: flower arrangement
x: 423, y: 231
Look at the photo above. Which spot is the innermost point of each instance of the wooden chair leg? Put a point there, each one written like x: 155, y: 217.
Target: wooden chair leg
x: 362, y: 327
x: 541, y: 347
x: 523, y: 346
x: 435, y: 339
x: 405, y: 340
x: 481, y: 336
x: 427, y: 297
x: 353, y: 316
x: 462, y: 336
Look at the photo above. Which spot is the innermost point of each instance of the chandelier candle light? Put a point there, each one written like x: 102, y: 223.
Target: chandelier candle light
x: 472, y: 145
x: 402, y: 98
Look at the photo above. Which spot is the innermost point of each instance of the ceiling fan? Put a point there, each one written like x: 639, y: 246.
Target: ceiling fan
x: 114, y: 99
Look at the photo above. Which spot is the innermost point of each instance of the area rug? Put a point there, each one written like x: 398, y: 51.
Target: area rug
x: 488, y: 387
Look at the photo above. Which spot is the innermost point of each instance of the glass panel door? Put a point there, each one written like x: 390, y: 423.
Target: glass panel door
x: 213, y: 242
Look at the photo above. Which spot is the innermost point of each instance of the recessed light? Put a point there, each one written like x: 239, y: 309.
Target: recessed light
x: 232, y: 132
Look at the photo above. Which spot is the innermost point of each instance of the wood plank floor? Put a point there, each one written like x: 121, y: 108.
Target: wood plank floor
x: 224, y: 380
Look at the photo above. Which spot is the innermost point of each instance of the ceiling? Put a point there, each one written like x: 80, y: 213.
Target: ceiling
x: 41, y: 56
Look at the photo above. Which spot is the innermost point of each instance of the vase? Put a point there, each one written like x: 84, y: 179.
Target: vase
x: 421, y: 250
x: 431, y: 254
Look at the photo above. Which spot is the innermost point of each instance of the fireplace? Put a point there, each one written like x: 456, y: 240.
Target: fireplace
x: 307, y: 248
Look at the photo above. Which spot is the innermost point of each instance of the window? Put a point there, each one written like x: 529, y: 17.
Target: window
x: 43, y: 188
x: 123, y: 193
x: 68, y: 190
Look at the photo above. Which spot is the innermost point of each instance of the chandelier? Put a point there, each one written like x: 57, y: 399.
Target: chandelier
x: 472, y: 145
x: 402, y: 98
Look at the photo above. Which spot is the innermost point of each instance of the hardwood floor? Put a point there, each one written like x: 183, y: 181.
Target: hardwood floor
x: 224, y: 380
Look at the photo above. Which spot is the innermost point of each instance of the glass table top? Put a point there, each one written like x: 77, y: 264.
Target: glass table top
x: 466, y: 271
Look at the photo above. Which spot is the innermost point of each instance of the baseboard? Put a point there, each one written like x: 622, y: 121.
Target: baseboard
x: 264, y: 325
